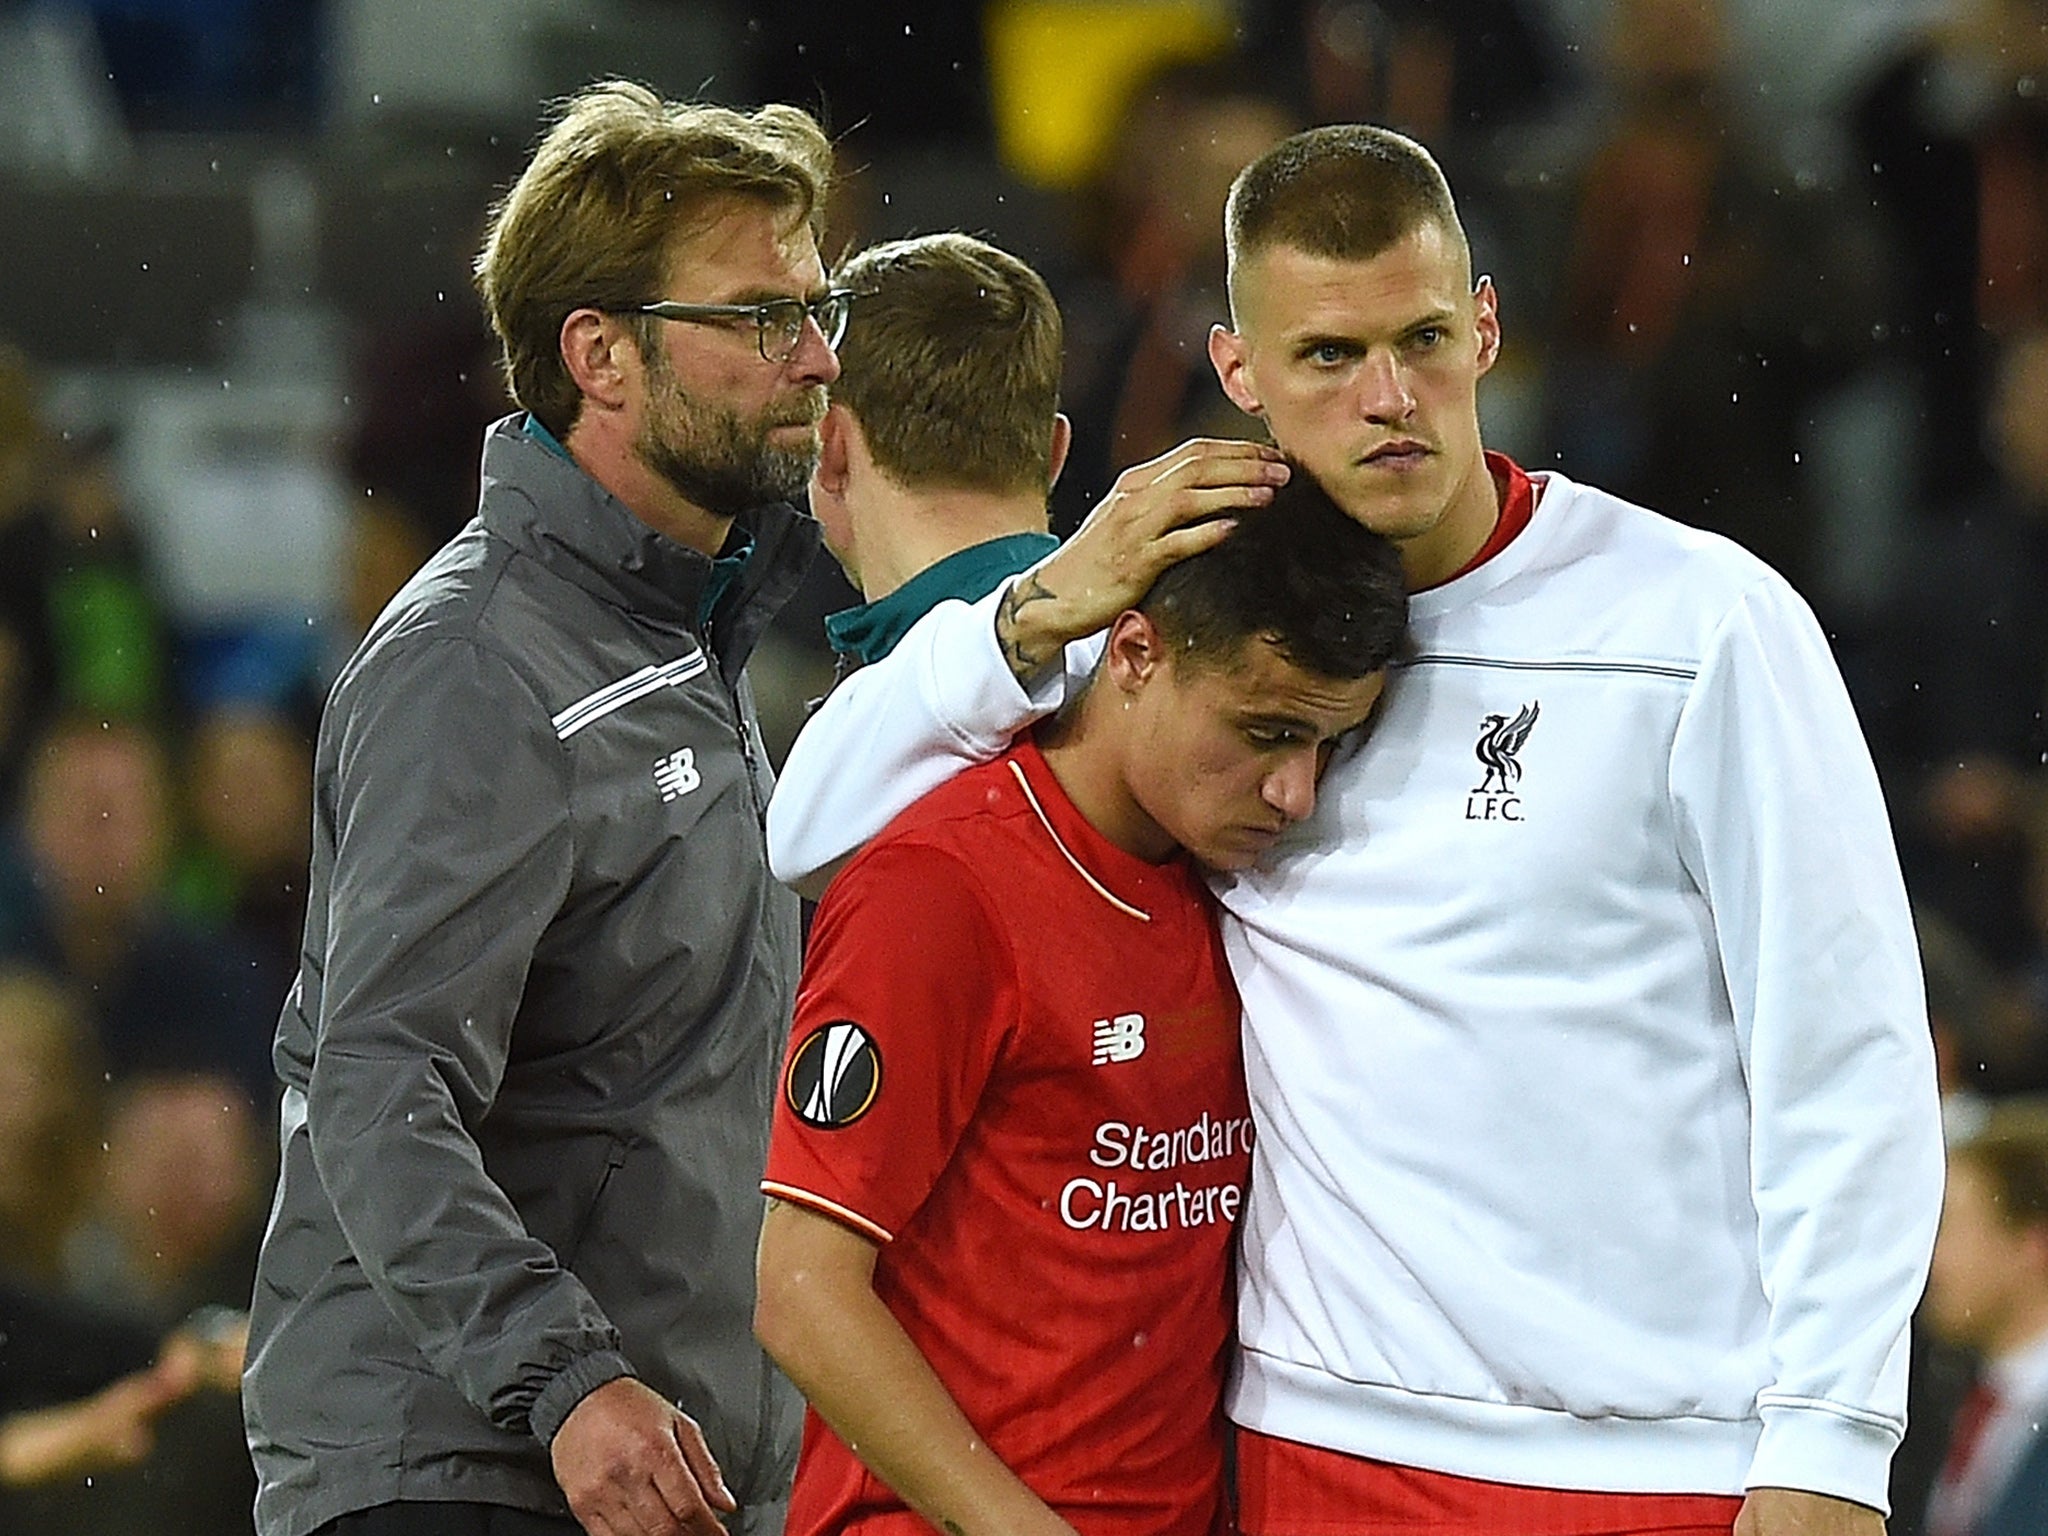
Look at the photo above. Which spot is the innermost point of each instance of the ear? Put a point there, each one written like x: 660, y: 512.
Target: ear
x: 1231, y: 359
x: 600, y: 355
x: 839, y: 446
x: 835, y: 451
x: 1135, y: 653
x: 1486, y: 320
x: 1062, y: 440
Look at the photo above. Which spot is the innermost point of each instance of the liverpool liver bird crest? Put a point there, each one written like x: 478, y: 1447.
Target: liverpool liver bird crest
x: 1500, y: 740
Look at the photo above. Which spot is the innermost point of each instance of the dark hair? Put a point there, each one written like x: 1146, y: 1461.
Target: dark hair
x: 1324, y: 589
x: 1347, y: 191
x: 951, y: 364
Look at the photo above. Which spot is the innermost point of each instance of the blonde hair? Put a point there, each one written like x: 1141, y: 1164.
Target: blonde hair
x: 594, y: 217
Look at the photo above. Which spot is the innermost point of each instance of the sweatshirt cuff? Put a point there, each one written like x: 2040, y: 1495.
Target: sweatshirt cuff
x: 1819, y: 1447
x: 571, y: 1385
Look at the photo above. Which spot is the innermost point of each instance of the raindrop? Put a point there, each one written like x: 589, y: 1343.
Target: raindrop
x: 376, y: 99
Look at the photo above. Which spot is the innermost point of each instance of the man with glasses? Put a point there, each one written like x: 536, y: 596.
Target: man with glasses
x: 528, y: 1060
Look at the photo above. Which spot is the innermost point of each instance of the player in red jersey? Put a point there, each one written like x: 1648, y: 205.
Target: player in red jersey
x: 1008, y: 1156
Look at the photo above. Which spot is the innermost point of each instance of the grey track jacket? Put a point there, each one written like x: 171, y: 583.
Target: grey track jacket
x: 545, y: 984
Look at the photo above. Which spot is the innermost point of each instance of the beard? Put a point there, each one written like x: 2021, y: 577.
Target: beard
x: 719, y: 460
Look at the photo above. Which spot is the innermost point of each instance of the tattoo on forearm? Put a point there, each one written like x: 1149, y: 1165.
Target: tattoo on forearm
x: 1025, y: 591
x: 954, y: 1528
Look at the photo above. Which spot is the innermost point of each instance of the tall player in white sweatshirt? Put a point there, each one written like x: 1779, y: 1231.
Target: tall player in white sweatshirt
x: 1598, y: 1156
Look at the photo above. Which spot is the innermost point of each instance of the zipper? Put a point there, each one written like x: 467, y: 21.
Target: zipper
x: 749, y: 762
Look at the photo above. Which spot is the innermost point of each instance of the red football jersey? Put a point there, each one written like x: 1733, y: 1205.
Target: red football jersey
x: 1016, y: 1066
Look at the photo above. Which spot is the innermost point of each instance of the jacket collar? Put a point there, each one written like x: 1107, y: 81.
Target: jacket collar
x: 543, y: 503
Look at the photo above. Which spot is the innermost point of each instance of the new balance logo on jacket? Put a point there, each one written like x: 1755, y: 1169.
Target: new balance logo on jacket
x: 676, y: 775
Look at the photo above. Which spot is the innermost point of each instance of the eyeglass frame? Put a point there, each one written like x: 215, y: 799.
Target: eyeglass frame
x: 763, y: 317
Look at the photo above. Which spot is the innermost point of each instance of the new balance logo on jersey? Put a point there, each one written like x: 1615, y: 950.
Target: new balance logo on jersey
x: 676, y: 775
x: 833, y: 1076
x: 1499, y: 750
x: 1119, y: 1039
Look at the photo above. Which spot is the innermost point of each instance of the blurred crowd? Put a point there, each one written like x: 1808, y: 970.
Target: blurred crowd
x: 1830, y: 344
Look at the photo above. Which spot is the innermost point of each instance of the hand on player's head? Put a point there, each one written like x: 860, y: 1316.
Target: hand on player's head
x: 1157, y: 513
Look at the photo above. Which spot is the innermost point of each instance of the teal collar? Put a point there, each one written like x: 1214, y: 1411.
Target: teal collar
x: 545, y: 438
x: 725, y: 570
x: 871, y: 631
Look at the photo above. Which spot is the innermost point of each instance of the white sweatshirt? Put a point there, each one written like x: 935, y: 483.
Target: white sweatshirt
x: 1598, y: 1140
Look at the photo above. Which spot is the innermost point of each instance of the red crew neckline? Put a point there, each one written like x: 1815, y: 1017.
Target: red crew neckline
x: 1517, y: 494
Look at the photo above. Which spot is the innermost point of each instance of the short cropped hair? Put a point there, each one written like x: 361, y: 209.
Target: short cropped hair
x: 1346, y: 191
x: 951, y: 363
x: 2010, y: 1148
x: 594, y: 217
x: 1325, y: 590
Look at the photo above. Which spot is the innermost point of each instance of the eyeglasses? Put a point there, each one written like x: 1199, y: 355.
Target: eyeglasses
x: 778, y: 324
